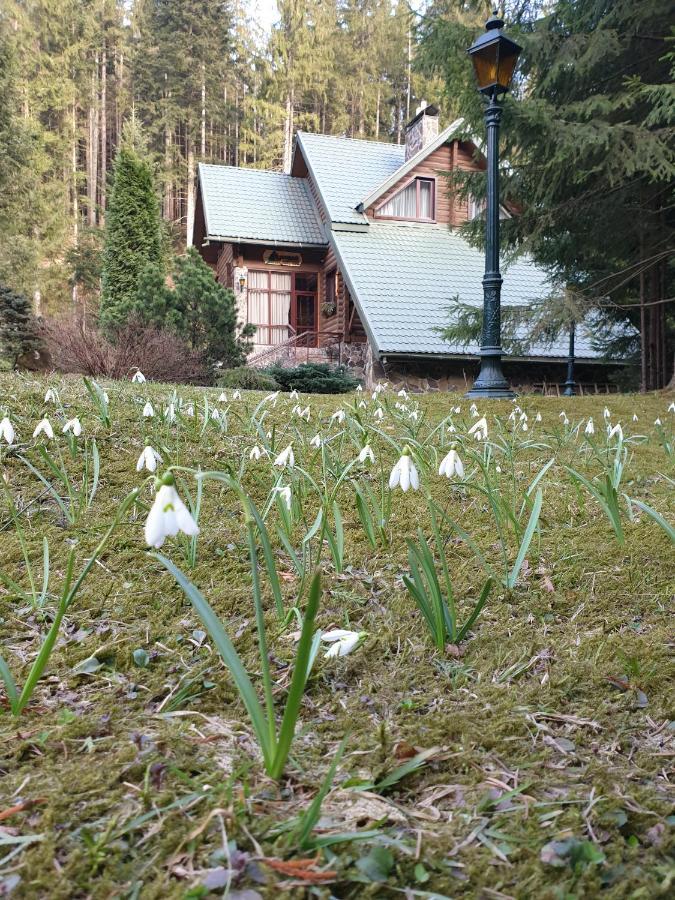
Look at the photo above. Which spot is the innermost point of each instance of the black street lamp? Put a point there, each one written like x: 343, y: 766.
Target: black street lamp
x: 494, y: 58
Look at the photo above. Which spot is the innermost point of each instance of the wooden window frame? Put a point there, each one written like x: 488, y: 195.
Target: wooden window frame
x: 269, y: 291
x: 417, y: 218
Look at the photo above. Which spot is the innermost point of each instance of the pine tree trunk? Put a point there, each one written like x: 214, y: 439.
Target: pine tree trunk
x: 288, y: 129
x: 190, y: 188
x: 203, y: 145
x: 377, y: 113
x: 643, y: 324
x: 104, y: 132
x: 92, y: 194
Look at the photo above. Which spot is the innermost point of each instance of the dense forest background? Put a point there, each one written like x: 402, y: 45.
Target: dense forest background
x: 589, y: 129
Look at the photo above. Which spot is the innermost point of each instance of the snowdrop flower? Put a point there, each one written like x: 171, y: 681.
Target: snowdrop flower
x: 170, y: 414
x: 617, y: 429
x: 215, y: 415
x: 414, y: 415
x: 50, y: 396
x: 379, y: 388
x: 294, y: 395
x: 657, y: 421
x: 473, y: 409
x: 498, y: 470
x: 366, y: 453
x: 537, y: 418
x: 606, y: 413
x: 148, y: 410
x: 285, y: 494
x: 563, y: 416
x: 403, y: 393
x: 255, y: 453
x: 138, y: 378
x: 338, y: 416
x: 303, y: 413
x: 373, y: 396
x: 286, y: 457
x: 223, y: 397
x: 635, y: 418
x: 168, y: 515
x: 379, y: 413
x: 452, y: 429
x: 190, y: 411
x: 457, y: 410
x: 148, y: 459
x: 44, y: 426
x: 73, y: 425
x: 479, y: 429
x: 362, y: 404
x: 590, y: 427
x: 271, y: 398
x: 316, y: 441
x: 404, y: 473
x: 236, y: 395
x: 359, y: 388
x: 671, y: 408
x: 451, y: 465
x: 343, y: 641
x: 7, y: 431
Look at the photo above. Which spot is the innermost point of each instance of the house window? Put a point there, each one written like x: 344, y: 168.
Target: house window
x: 330, y: 301
x: 415, y: 201
x: 269, y: 305
x: 475, y: 209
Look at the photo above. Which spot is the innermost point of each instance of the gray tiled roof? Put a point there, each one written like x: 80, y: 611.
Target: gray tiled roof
x: 346, y: 170
x: 252, y: 204
x: 404, y: 277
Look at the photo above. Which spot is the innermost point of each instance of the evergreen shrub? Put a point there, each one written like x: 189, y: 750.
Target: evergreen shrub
x: 249, y: 379
x: 314, y: 378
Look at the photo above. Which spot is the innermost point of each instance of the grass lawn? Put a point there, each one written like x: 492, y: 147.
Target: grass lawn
x: 134, y: 771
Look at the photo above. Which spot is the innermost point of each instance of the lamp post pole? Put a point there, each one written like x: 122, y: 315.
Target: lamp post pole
x: 491, y: 381
x: 569, y: 386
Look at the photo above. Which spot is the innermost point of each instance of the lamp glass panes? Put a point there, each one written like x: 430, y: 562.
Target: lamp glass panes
x: 494, y: 58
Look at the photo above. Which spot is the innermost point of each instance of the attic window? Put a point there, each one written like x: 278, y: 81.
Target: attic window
x: 416, y: 201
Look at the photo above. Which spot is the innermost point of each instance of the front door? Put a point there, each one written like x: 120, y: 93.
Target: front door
x: 304, y: 310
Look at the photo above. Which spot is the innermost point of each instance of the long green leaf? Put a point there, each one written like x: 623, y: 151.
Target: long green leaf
x: 482, y: 600
x: 298, y: 681
x: 409, y: 766
x: 366, y: 519
x: 311, y: 815
x: 527, y: 538
x: 270, y: 563
x: 657, y: 517
x: 227, y: 652
x: 10, y: 686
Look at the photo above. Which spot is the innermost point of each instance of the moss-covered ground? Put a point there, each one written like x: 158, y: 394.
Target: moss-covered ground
x: 134, y: 772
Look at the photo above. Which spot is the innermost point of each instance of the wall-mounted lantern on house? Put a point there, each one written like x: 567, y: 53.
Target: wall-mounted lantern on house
x: 241, y: 282
x: 494, y: 58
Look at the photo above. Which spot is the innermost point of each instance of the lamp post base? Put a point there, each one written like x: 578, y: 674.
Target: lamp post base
x: 491, y: 384
x: 569, y: 389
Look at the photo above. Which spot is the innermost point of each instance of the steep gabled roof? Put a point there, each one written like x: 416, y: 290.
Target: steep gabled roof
x: 403, y: 276
x: 345, y: 169
x: 255, y: 205
x: 408, y: 166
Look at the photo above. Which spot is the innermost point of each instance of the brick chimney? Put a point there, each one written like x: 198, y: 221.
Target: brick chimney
x: 421, y: 129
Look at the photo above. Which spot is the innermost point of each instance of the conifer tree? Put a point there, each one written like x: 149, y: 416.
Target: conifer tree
x: 18, y: 328
x: 133, y: 232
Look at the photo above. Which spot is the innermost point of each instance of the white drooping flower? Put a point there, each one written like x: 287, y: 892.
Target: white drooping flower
x: 170, y: 414
x: 302, y: 413
x: 635, y: 418
x: 414, y: 415
x: 479, y: 429
x: 563, y: 416
x: 338, y: 416
x: 473, y: 409
x: 671, y: 408
x: 590, y: 427
x: 606, y: 413
x: 404, y: 473
x: 51, y: 396
x: 286, y: 457
x: 379, y: 413
x: 73, y: 425
x: 44, y: 426
x: 7, y: 431
x: 451, y: 465
x: 457, y: 410
x: 537, y: 418
x: 379, y: 388
x: 657, y: 421
x: 148, y: 459
x: 362, y: 404
x: 403, y: 393
x: 223, y: 397
x: 294, y: 395
x: 138, y: 377
x: 285, y: 494
x: 236, y: 395
x: 168, y: 515
x: 617, y: 429
x: 255, y: 453
x: 316, y: 441
x: 148, y: 410
x: 359, y: 388
x: 190, y: 411
x: 367, y: 453
x: 343, y: 642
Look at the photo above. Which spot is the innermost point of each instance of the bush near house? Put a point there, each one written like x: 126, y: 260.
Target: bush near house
x: 77, y: 346
x: 18, y: 327
x: 248, y: 378
x: 314, y: 378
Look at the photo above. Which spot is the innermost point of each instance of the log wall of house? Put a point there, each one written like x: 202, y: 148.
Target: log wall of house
x: 449, y: 210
